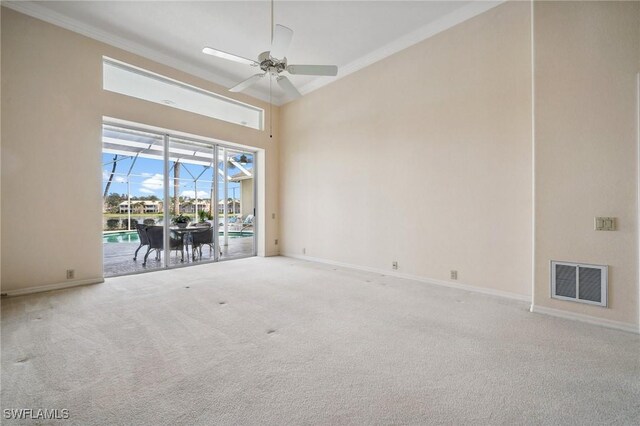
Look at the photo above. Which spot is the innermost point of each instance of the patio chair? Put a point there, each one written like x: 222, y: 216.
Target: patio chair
x: 202, y: 225
x: 233, y: 222
x: 202, y: 237
x: 155, y: 234
x: 142, y: 236
x: 247, y: 223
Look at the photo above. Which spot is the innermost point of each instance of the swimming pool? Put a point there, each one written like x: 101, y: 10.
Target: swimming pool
x: 121, y: 237
x: 132, y: 236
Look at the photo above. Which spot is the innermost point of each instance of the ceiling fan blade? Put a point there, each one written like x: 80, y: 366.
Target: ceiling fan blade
x: 288, y: 87
x: 246, y: 83
x: 329, y: 70
x: 229, y: 56
x: 281, y: 40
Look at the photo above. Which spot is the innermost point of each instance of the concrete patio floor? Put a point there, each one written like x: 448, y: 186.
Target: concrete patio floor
x: 118, y: 257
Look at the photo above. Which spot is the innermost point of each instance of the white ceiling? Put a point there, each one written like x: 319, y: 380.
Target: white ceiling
x: 350, y: 34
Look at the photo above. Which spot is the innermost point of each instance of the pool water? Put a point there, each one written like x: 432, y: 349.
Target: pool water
x: 132, y: 237
x: 121, y: 237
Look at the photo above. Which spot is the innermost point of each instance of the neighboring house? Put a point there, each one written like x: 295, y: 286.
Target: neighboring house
x: 233, y: 206
x: 190, y: 206
x: 139, y: 206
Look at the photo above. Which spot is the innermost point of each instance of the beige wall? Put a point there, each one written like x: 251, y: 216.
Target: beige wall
x: 423, y: 158
x: 52, y: 109
x: 587, y: 58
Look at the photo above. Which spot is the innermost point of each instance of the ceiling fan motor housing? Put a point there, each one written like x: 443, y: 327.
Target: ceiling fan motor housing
x: 271, y: 65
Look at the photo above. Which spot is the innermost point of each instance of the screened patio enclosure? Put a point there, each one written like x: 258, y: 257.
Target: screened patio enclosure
x: 195, y: 197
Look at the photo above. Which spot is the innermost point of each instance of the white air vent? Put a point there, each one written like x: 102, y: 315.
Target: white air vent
x: 579, y: 282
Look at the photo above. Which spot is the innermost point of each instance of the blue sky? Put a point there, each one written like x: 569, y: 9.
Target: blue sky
x: 146, y: 178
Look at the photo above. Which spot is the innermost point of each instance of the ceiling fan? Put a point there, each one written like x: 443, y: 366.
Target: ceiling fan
x: 274, y: 63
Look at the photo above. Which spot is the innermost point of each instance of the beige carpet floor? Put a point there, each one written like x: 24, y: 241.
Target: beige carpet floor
x: 282, y: 341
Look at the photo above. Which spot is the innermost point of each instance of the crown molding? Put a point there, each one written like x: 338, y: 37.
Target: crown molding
x: 454, y: 18
x: 45, y: 14
x: 450, y: 20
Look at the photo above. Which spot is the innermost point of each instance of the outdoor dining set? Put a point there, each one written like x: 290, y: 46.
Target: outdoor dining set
x: 180, y: 238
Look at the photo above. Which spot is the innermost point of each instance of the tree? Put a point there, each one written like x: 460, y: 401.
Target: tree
x: 189, y: 203
x: 139, y: 206
x: 113, y: 200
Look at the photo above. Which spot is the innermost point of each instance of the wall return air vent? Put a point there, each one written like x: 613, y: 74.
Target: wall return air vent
x: 579, y: 282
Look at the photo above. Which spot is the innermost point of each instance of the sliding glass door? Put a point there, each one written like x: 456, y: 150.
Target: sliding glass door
x: 133, y: 178
x: 236, y: 203
x: 188, y: 202
x: 192, y: 175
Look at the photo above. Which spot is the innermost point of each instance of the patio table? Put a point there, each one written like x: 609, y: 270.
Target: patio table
x: 185, y: 234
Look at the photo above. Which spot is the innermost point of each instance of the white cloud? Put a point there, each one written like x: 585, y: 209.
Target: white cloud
x: 116, y: 178
x: 191, y: 194
x: 152, y: 184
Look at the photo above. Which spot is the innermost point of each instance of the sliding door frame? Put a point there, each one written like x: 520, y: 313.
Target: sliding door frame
x: 217, y: 148
x: 254, y: 170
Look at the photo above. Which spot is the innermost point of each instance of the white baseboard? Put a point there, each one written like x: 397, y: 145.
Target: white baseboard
x: 617, y: 325
x: 460, y: 286
x: 50, y: 287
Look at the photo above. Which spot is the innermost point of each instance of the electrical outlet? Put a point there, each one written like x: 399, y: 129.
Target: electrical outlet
x: 71, y: 274
x: 394, y: 264
x: 273, y: 215
x: 454, y: 275
x: 304, y: 251
x: 276, y: 242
